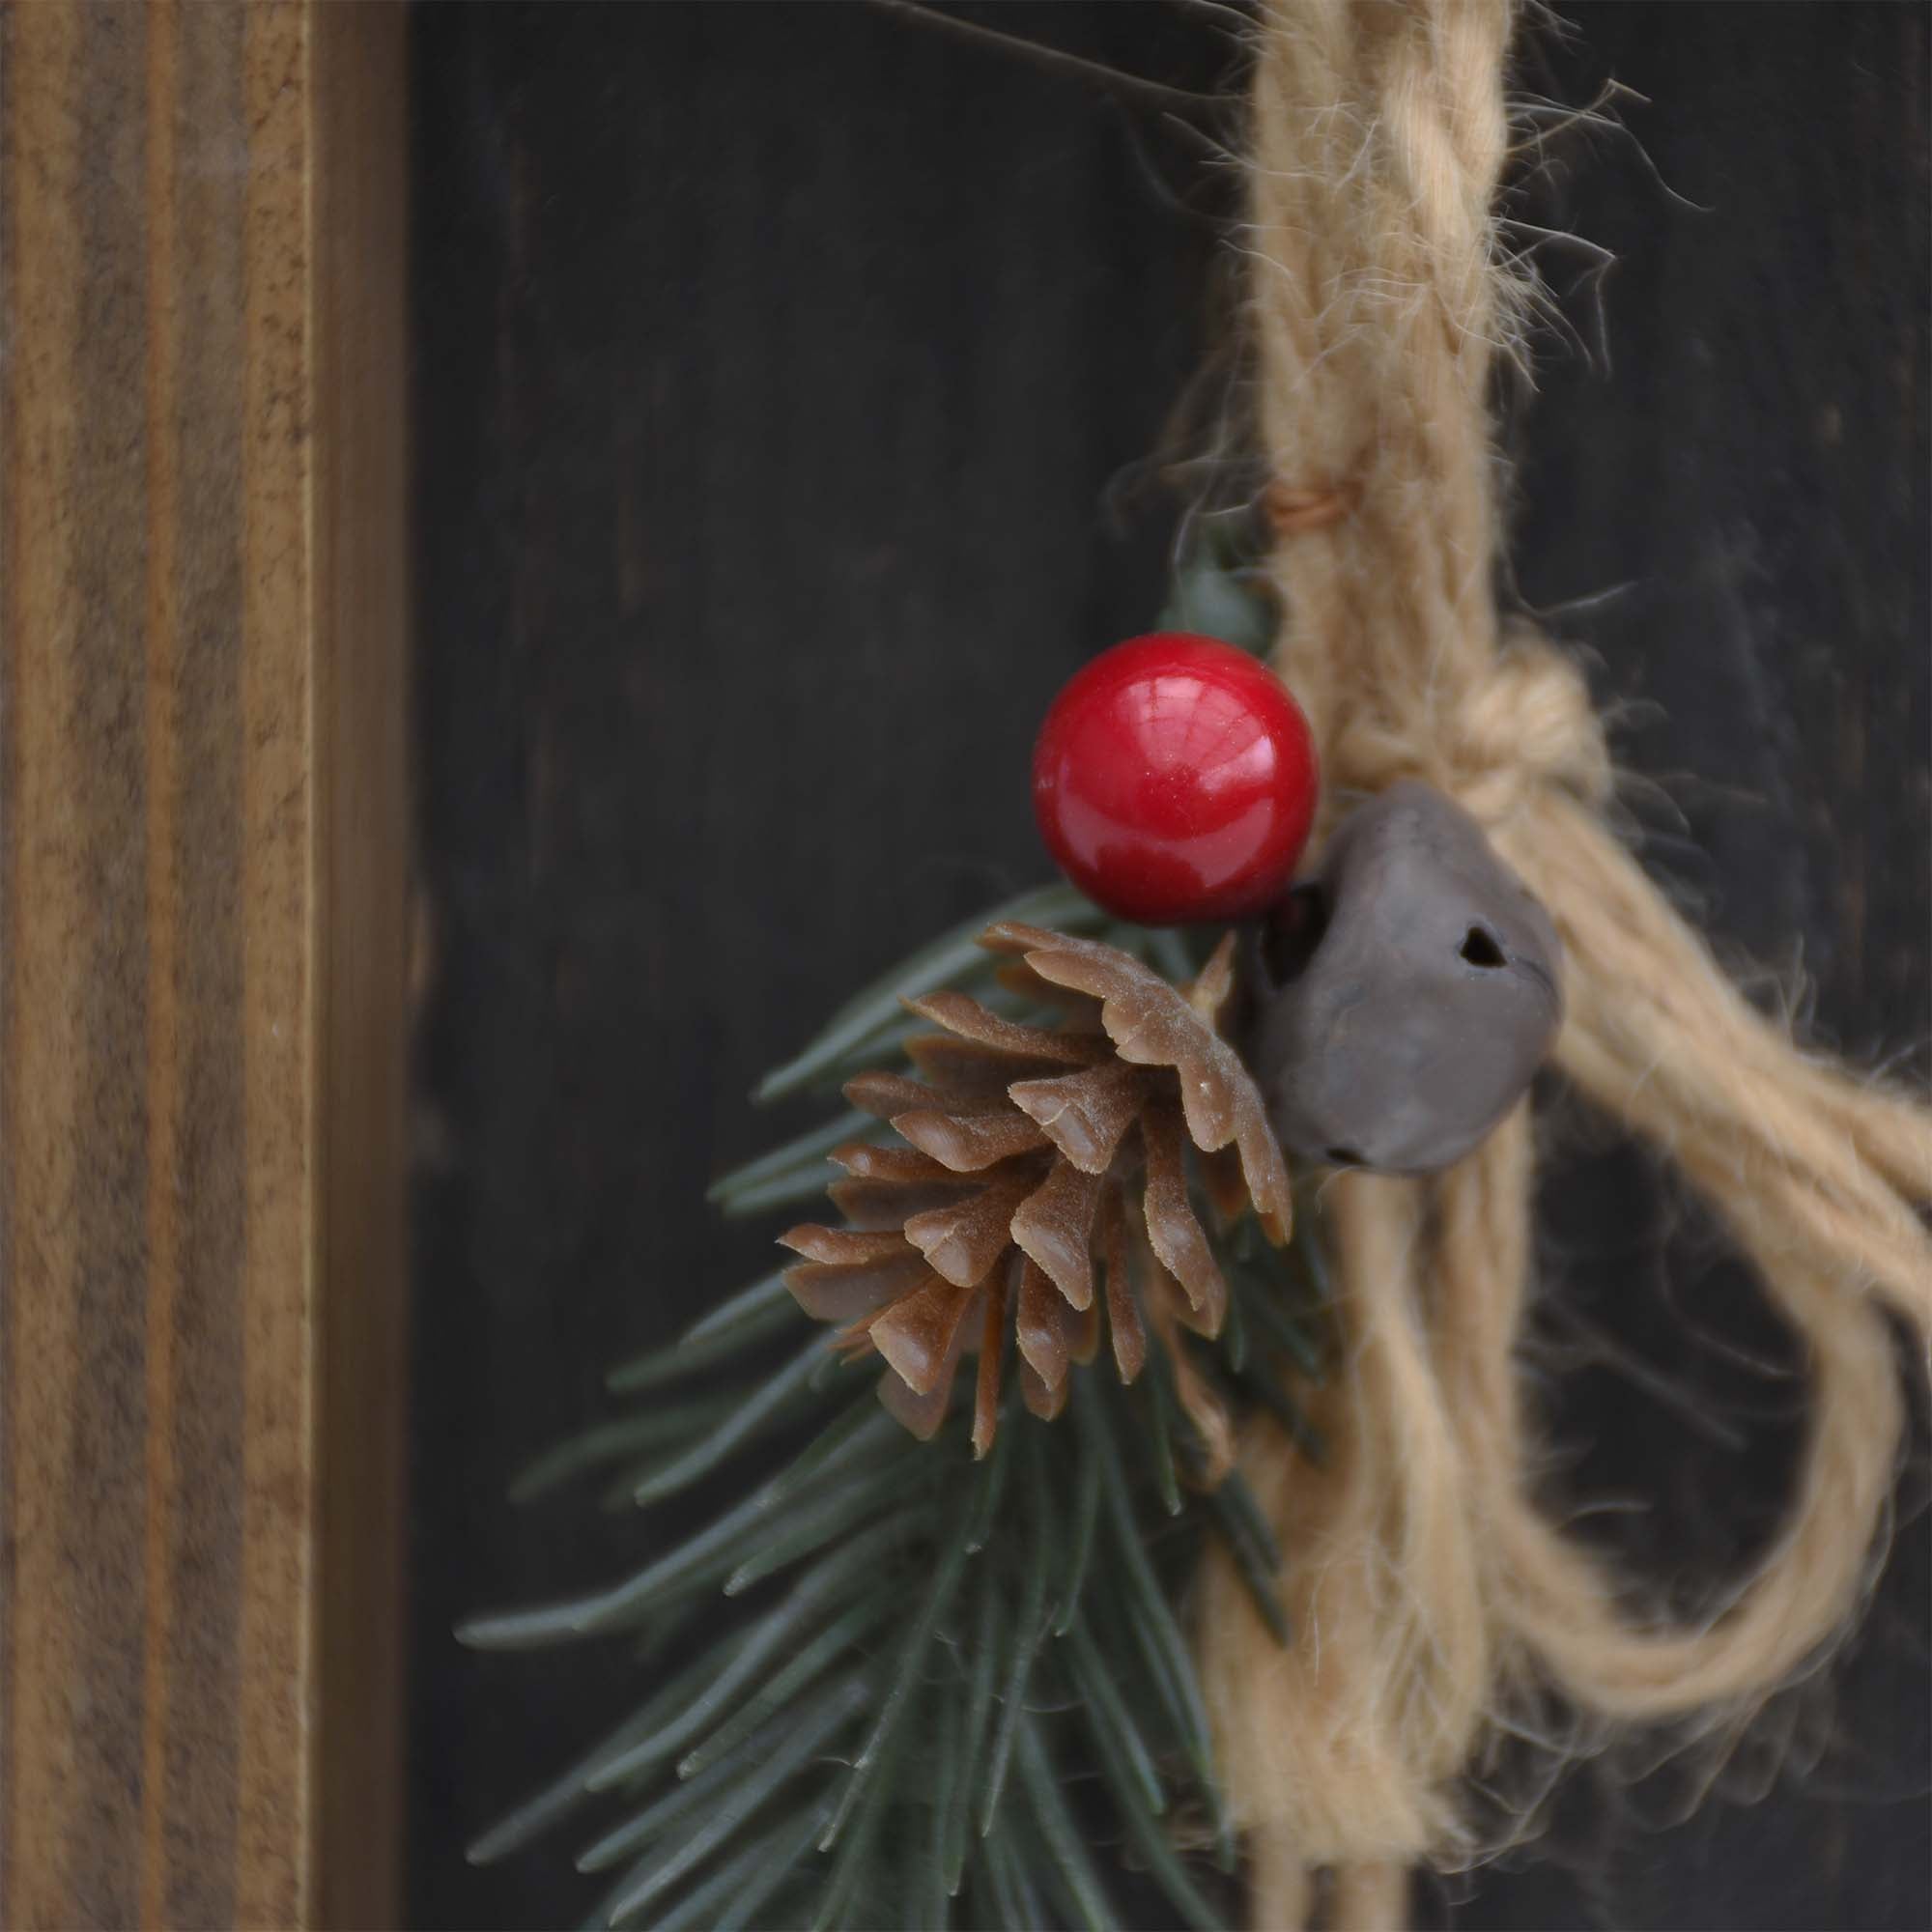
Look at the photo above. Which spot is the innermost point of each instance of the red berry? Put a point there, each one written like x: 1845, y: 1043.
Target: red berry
x: 1174, y: 781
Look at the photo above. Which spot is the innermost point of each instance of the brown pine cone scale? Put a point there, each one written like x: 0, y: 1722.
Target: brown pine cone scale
x: 1040, y: 1189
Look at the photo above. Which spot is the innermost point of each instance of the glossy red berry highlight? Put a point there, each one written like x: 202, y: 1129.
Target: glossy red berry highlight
x: 1174, y: 781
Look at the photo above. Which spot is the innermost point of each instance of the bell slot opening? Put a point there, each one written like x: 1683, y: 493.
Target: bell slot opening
x: 1479, y: 947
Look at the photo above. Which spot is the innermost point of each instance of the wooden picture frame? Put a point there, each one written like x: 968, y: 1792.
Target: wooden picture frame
x: 204, y: 854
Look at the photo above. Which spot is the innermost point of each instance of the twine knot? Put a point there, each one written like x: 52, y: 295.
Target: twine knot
x: 1525, y: 725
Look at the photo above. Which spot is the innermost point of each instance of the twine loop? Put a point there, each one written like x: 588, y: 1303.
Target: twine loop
x: 1429, y: 1588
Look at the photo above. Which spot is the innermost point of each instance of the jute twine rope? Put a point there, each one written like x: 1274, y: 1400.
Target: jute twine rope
x: 1432, y: 1599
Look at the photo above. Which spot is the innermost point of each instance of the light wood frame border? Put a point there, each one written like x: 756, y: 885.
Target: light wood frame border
x: 204, y: 858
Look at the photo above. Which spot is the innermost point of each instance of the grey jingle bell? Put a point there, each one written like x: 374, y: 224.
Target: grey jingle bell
x: 1405, y: 996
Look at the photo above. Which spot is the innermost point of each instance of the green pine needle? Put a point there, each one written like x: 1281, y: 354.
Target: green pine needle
x: 1070, y: 1858
x: 1118, y: 1734
x: 839, y: 1639
x: 1159, y: 1409
x: 949, y: 1772
x: 1252, y: 1550
x: 713, y: 1694
x: 765, y: 1308
x: 1283, y: 1328
x: 749, y: 1311
x: 747, y: 1420
x: 919, y: 1653
x: 943, y: 964
x: 793, y: 1743
x: 863, y: 1428
x: 1025, y: 1635
x: 977, y: 1722
x: 905, y: 1679
x: 1080, y: 1550
x: 716, y: 1549
x: 612, y: 1441
x: 841, y: 1509
x: 742, y: 1884
x: 806, y: 1151
x: 746, y: 1908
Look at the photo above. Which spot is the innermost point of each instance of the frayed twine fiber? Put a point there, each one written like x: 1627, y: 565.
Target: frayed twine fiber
x: 1433, y: 1600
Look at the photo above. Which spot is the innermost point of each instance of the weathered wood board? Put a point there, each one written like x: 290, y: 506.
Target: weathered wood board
x: 203, y: 860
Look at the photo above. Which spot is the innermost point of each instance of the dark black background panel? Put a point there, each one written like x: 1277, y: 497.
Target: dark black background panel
x: 793, y: 386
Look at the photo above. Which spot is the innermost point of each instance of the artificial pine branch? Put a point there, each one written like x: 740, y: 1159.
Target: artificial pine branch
x: 952, y: 1690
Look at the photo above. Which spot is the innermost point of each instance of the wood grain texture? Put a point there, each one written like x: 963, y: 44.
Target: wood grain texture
x: 787, y: 373
x: 201, y: 871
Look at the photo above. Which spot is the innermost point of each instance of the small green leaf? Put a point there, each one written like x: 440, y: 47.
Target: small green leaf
x: 1219, y: 588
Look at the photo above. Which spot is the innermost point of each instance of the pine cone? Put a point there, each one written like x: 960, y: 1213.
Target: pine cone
x: 1036, y: 1164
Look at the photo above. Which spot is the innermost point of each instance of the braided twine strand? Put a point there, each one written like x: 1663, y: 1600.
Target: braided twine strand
x: 1429, y: 1592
